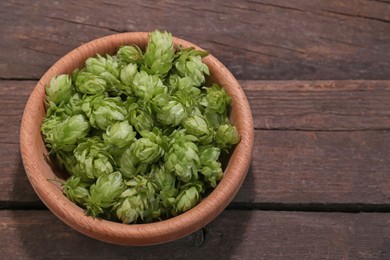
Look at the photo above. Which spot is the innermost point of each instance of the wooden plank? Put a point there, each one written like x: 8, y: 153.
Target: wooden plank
x: 291, y: 105
x: 288, y: 166
x: 258, y: 235
x: 13, y: 96
x: 310, y: 167
x: 319, y: 105
x: 255, y: 39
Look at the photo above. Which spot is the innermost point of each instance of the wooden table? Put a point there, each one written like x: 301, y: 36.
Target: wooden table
x: 317, y: 76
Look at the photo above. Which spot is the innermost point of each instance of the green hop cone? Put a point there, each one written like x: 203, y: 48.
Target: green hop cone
x: 59, y: 90
x: 130, y: 209
x: 159, y: 53
x: 146, y: 150
x: 210, y: 167
x: 188, y: 197
x: 214, y: 119
x: 216, y: 99
x: 157, y: 136
x: 96, y: 65
x: 76, y: 190
x: 182, y: 157
x: 48, y: 129
x: 104, y: 193
x: 189, y: 64
x: 138, y: 201
x: 127, y: 75
x: 129, y: 164
x: 130, y: 54
x: 197, y: 126
x: 73, y: 106
x: 92, y: 158
x: 119, y: 134
x: 140, y: 118
x: 165, y: 183
x: 67, y: 161
x: 175, y: 82
x: 171, y: 113
x: 107, y: 68
x: 151, y: 146
x: 226, y: 136
x: 103, y: 111
x: 162, y: 178
x: 147, y: 86
x: 64, y: 135
x: 89, y: 83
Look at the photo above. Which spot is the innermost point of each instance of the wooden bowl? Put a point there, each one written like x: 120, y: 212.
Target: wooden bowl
x: 39, y: 170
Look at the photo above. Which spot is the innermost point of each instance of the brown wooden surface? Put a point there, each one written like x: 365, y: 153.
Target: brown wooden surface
x: 264, y: 39
x: 258, y: 235
x: 290, y: 164
x: 317, y: 76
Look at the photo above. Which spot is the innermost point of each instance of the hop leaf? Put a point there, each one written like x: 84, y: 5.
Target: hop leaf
x: 104, y: 193
x: 159, y: 53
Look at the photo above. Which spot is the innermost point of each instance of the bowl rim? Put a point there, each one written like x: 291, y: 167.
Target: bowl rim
x: 133, y: 234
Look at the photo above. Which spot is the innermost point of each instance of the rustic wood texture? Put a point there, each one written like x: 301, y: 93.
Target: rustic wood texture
x: 289, y: 166
x: 319, y: 105
x: 233, y: 235
x: 316, y: 74
x: 256, y: 39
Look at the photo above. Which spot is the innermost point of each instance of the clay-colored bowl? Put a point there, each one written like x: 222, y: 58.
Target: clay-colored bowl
x: 39, y: 171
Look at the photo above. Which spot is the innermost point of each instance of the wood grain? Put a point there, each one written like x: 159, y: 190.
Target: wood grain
x: 255, y: 39
x: 289, y: 166
x: 319, y: 105
x: 309, y: 167
x: 257, y: 235
x: 275, y: 105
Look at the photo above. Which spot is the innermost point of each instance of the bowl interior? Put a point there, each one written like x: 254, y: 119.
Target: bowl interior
x: 39, y: 170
